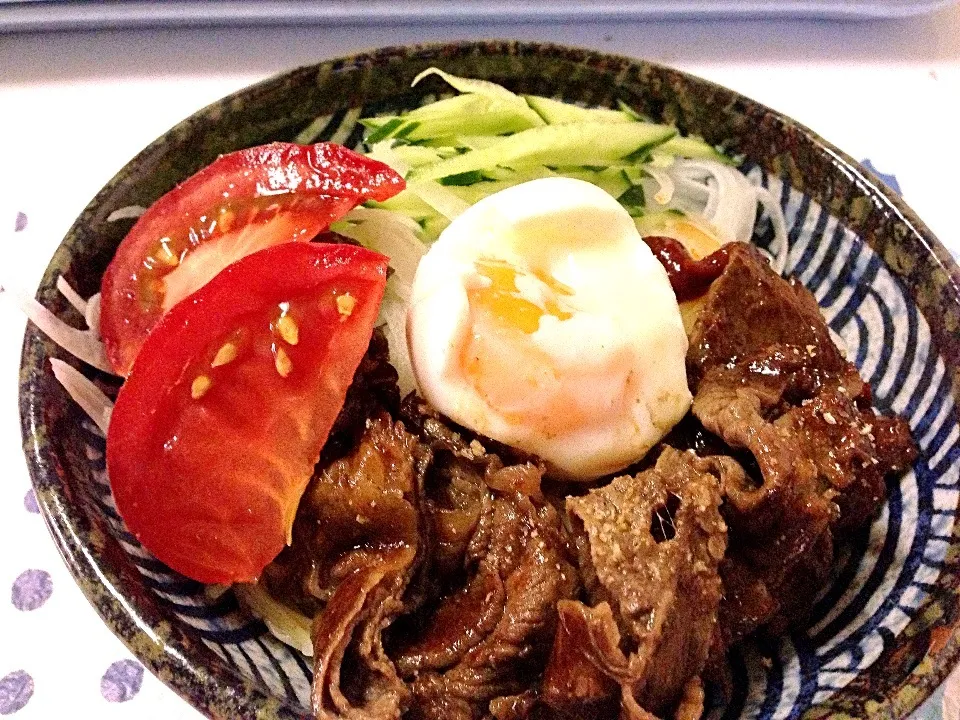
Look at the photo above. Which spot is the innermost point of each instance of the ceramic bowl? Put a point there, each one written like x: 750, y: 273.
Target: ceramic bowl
x: 882, y: 635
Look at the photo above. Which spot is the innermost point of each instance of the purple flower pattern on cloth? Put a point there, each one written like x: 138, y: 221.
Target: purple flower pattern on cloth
x: 31, y: 590
x: 20, y: 223
x: 121, y: 681
x: 30, y: 502
x: 16, y: 689
x: 889, y: 179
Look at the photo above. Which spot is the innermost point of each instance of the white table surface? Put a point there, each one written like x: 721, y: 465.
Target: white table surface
x: 75, y: 107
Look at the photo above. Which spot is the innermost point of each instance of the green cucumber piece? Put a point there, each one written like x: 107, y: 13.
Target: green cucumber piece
x: 416, y: 155
x: 554, y: 145
x: 694, y: 148
x: 461, y: 115
x: 498, y: 94
x: 556, y: 112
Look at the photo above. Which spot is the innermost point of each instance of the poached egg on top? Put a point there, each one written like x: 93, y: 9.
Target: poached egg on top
x: 541, y: 319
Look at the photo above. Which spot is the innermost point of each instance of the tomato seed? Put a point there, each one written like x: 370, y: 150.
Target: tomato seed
x: 345, y: 305
x: 165, y: 255
x: 288, y: 329
x: 282, y: 362
x: 226, y: 354
x: 200, y: 386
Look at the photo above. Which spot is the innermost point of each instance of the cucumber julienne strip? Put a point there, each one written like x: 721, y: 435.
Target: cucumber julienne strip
x: 577, y: 144
x: 496, y: 93
x: 557, y: 112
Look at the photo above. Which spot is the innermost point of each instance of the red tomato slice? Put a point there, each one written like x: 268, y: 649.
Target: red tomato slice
x: 218, y: 427
x: 243, y: 202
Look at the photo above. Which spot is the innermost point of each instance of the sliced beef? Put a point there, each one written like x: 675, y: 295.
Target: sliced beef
x: 772, y: 386
x: 748, y: 308
x: 504, y: 468
x: 501, y: 567
x: 498, y: 630
x: 352, y: 675
x: 358, y: 542
x: 650, y: 562
x: 587, y: 666
x: 514, y: 707
x: 461, y: 477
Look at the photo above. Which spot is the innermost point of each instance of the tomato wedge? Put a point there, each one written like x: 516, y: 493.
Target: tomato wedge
x: 218, y: 427
x: 243, y: 202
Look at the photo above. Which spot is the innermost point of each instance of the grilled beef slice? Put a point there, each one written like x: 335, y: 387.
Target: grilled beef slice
x: 650, y: 547
x: 501, y: 567
x: 362, y: 514
x: 770, y: 383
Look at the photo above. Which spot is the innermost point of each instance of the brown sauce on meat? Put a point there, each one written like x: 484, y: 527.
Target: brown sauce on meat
x: 689, y: 278
x: 446, y: 585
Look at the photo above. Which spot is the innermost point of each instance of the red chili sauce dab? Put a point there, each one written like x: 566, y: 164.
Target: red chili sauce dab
x: 689, y: 278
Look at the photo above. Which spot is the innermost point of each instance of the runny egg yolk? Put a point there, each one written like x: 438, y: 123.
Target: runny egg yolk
x: 502, y: 303
x: 542, y: 320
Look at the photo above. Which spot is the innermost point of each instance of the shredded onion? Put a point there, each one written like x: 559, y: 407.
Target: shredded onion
x: 665, y: 194
x: 287, y: 625
x: 72, y: 296
x: 392, y: 234
x: 92, y: 315
x: 87, y: 395
x: 393, y: 317
x: 126, y: 213
x: 82, y: 344
x: 726, y: 199
x: 439, y: 198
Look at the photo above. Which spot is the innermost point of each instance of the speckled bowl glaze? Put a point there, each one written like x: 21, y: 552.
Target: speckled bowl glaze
x: 883, y: 635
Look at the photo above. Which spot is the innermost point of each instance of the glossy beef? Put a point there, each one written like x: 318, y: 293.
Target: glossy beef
x: 772, y: 386
x: 501, y: 568
x: 366, y: 540
x: 650, y: 550
x: 748, y: 308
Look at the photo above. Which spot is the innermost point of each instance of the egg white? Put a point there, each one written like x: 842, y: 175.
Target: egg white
x: 595, y: 385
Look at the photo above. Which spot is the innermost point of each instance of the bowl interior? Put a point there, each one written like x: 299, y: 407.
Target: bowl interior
x: 882, y: 634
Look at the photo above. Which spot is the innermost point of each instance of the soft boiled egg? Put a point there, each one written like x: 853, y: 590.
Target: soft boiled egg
x: 540, y: 319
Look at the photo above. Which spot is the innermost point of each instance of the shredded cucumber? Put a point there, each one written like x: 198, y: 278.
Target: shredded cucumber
x: 458, y: 150
x: 580, y: 144
x: 475, y: 116
x: 556, y: 112
x: 692, y: 147
x: 498, y: 94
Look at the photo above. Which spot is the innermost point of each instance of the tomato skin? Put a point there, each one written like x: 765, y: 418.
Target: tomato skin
x: 243, y: 202
x: 211, y: 484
